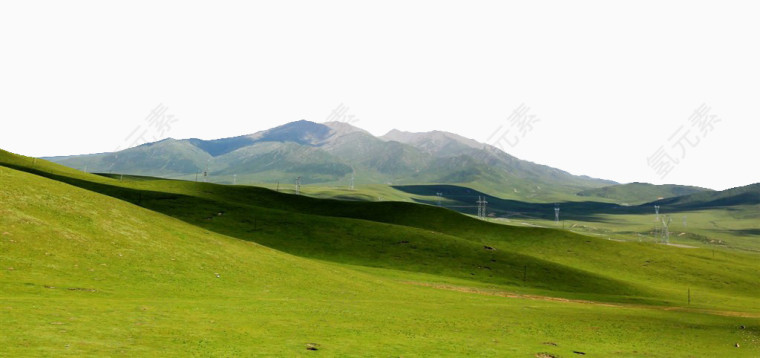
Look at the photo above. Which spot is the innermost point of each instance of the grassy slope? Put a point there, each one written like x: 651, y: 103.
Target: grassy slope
x: 268, y: 217
x: 268, y: 302
x: 635, y: 267
x: 745, y: 195
x: 445, y: 243
x: 640, y: 193
x: 150, y: 272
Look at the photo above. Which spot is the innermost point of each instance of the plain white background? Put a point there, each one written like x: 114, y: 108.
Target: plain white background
x: 609, y: 82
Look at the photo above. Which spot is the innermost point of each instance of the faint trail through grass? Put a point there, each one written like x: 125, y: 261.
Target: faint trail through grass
x: 586, y: 302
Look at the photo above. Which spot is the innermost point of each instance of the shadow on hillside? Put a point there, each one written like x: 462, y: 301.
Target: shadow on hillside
x: 320, y: 239
x: 464, y: 200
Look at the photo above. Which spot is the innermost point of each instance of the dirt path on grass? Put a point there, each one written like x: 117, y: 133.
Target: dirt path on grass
x: 586, y: 302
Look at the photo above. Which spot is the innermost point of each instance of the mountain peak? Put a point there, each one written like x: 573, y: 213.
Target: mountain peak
x: 302, y: 132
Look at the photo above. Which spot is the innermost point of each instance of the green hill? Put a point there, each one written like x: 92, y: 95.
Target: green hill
x: 745, y: 195
x: 93, y: 265
x: 640, y: 193
x: 266, y: 217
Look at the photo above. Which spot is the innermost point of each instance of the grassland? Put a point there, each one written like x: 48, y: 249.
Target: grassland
x: 92, y: 265
x: 733, y: 229
x: 733, y: 224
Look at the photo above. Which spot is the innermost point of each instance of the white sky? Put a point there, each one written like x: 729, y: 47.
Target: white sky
x: 609, y: 81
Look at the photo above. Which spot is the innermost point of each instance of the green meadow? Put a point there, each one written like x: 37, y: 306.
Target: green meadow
x: 133, y: 266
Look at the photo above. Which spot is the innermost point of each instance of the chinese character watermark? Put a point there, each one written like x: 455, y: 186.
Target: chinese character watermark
x: 340, y: 114
x: 669, y: 155
x: 156, y: 125
x: 519, y: 124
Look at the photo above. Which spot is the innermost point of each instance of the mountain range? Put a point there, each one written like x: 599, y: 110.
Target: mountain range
x: 338, y: 154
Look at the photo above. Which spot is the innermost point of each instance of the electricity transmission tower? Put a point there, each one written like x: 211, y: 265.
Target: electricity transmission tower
x: 666, y: 220
x: 298, y: 185
x: 556, y: 214
x: 657, y: 213
x: 482, y: 207
x: 439, y: 195
x: 351, y: 186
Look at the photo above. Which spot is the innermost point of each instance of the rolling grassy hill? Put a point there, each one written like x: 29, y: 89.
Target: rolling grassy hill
x: 745, y: 195
x: 94, y: 265
x: 640, y: 193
